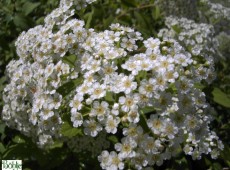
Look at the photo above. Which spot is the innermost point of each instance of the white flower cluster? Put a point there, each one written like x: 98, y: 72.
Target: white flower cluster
x: 179, y: 8
x: 224, y: 41
x: 217, y: 10
x: 120, y: 76
x: 197, y: 38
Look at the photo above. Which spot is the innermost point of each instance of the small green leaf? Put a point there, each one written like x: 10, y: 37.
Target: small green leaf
x: 176, y: 28
x: 221, y: 98
x: 70, y: 60
x: 66, y: 88
x: 28, y: 7
x: 69, y: 131
x: 148, y: 109
x: 113, y: 139
x: 18, y: 139
x: 56, y: 144
x: 109, y: 96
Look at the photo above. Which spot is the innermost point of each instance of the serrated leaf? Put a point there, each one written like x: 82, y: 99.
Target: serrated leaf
x: 220, y: 97
x: 70, y: 131
x: 28, y: 7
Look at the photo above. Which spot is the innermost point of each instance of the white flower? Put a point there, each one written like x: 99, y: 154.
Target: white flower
x: 116, y: 161
x: 126, y: 147
x: 105, y: 159
x: 77, y: 119
x: 99, y: 110
x: 76, y: 103
x: 91, y: 127
x: 127, y: 84
x: 147, y: 87
x: 155, y: 124
x: 111, y: 124
x: 33, y: 118
x: 128, y: 102
x: 133, y: 115
x: 98, y: 91
x: 133, y: 131
x: 170, y: 129
x: 149, y: 146
x: 46, y: 114
x: 152, y: 43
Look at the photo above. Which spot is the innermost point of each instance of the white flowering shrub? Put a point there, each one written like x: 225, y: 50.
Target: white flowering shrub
x: 85, y: 87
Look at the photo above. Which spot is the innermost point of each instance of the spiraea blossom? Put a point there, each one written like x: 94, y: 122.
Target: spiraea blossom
x: 105, y: 86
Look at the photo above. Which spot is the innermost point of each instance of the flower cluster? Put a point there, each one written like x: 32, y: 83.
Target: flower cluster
x: 145, y: 90
x: 197, y: 38
x: 179, y: 8
x: 216, y: 10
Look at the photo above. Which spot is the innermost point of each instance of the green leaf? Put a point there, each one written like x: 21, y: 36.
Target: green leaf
x: 17, y: 151
x: 220, y: 97
x: 66, y: 88
x: 18, y: 139
x: 2, y: 148
x: 2, y: 127
x: 148, y: 109
x: 224, y: 154
x: 69, y: 131
x: 113, y: 139
x: 89, y: 19
x: 70, y: 60
x: 156, y: 13
x: 129, y: 3
x: 56, y: 144
x: 176, y: 28
x: 28, y: 7
x: 109, y: 96
x: 108, y: 21
x: 20, y: 21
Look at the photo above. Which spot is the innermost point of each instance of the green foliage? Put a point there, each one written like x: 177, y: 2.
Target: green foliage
x: 69, y: 131
x: 221, y: 98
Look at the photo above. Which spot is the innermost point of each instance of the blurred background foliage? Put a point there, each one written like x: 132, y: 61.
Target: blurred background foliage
x: 146, y: 16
